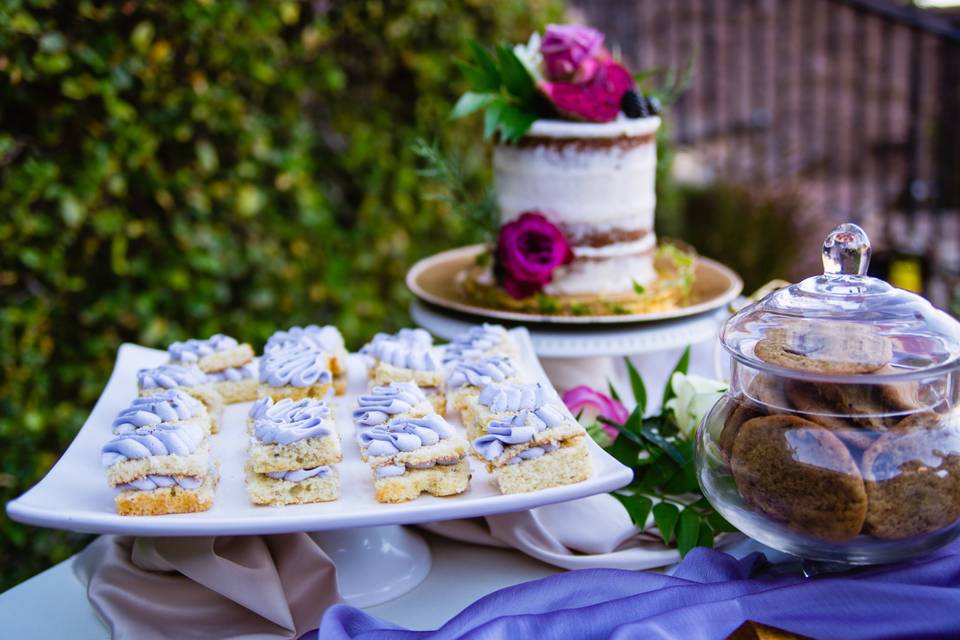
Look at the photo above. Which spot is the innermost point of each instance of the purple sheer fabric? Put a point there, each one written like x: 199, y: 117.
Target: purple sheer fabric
x: 709, y: 595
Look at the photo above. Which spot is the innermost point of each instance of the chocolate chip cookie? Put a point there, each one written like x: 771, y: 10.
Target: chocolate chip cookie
x: 827, y: 348
x: 800, y: 474
x: 912, y: 476
x: 810, y: 399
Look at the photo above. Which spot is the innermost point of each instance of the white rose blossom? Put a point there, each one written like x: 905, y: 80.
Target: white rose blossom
x: 529, y: 54
x: 696, y: 395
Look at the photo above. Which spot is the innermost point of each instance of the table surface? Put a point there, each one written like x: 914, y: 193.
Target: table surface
x: 55, y: 600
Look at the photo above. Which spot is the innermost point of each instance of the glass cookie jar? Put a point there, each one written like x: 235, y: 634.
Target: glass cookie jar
x: 839, y: 437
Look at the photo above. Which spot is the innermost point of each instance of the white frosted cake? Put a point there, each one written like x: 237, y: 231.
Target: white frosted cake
x: 595, y: 182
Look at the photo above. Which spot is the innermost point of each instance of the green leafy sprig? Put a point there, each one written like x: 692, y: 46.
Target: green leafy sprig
x: 501, y: 87
x: 448, y: 172
x: 665, y: 480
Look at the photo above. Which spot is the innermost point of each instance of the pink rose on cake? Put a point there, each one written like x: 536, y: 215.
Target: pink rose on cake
x: 583, y: 81
x: 529, y: 249
x: 570, y: 52
x: 595, y: 101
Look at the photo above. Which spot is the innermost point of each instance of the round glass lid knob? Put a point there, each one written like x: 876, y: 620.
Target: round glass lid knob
x: 846, y: 251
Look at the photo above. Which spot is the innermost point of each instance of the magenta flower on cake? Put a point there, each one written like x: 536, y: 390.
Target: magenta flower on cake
x: 529, y: 249
x: 594, y: 101
x: 570, y: 52
x: 592, y: 404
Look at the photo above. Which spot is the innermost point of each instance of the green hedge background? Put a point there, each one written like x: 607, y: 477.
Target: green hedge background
x: 173, y: 169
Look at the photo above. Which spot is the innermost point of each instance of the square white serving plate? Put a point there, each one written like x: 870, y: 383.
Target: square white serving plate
x: 74, y: 495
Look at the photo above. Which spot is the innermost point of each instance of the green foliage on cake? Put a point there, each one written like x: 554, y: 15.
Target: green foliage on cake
x: 170, y: 170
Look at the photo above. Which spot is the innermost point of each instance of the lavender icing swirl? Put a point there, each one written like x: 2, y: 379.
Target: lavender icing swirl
x: 232, y: 374
x: 406, y: 355
x: 287, y: 410
x: 287, y: 421
x: 299, y: 366
x: 533, y: 453
x: 411, y: 338
x: 475, y: 343
x: 149, y: 483
x: 170, y: 376
x: 168, y: 406
x: 393, y: 470
x: 382, y: 403
x: 326, y: 338
x: 408, y: 434
x: 156, y: 440
x: 500, y: 398
x: 517, y: 429
x: 480, y: 373
x: 190, y: 351
x: 300, y: 475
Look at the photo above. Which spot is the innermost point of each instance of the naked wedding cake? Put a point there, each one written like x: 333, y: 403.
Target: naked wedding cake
x: 595, y: 183
x: 575, y: 161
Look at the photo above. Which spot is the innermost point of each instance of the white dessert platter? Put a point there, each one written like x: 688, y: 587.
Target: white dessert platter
x: 74, y: 495
x: 434, y: 281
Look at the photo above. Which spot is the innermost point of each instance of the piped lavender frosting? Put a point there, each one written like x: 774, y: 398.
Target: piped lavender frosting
x: 480, y: 373
x: 232, y: 374
x: 403, y: 354
x: 300, y: 475
x: 394, y: 470
x: 289, y: 421
x: 170, y: 376
x: 500, y: 398
x: 382, y: 403
x: 407, y: 434
x: 299, y: 365
x: 533, y: 453
x: 156, y: 440
x: 168, y: 406
x: 149, y: 483
x: 326, y: 338
x: 518, y: 429
x: 190, y: 351
x: 475, y: 343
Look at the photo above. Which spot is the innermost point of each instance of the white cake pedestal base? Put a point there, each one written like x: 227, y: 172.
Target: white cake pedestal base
x: 588, y: 354
x: 376, y: 564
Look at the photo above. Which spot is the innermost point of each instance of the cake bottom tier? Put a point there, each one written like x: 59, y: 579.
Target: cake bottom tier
x: 603, y: 276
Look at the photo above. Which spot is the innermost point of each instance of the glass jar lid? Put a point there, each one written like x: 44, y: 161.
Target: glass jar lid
x: 844, y: 323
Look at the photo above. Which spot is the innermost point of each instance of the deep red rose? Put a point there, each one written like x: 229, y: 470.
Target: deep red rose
x: 529, y: 249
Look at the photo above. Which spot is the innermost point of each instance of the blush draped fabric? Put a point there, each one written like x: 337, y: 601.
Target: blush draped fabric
x: 708, y: 596
x: 252, y: 587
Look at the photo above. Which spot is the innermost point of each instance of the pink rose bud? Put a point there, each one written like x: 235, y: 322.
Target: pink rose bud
x: 595, y: 404
x: 568, y: 52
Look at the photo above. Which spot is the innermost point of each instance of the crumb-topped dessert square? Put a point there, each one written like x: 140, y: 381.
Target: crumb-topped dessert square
x: 160, y: 468
x: 216, y: 353
x: 292, y: 449
x: 187, y: 378
x: 326, y: 339
x: 409, y: 456
x: 296, y: 371
x: 534, y: 449
x: 406, y: 356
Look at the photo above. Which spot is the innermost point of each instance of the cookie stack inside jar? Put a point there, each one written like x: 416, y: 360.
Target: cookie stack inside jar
x: 839, y: 439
